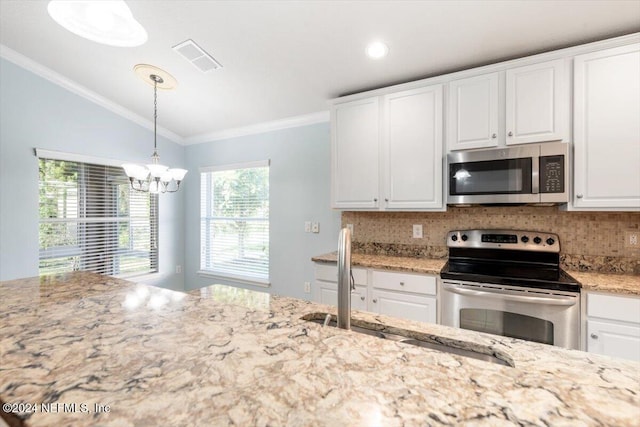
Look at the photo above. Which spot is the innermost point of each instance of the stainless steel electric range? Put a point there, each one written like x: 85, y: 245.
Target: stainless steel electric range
x: 509, y: 283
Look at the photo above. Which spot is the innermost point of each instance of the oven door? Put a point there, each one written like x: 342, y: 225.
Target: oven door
x: 545, y: 316
x: 507, y: 175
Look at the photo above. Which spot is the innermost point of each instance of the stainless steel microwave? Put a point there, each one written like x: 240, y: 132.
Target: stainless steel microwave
x: 527, y: 174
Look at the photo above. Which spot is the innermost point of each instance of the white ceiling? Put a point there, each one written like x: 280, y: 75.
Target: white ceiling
x: 287, y: 58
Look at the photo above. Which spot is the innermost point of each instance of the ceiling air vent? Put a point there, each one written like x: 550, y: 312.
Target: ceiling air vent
x: 197, y: 56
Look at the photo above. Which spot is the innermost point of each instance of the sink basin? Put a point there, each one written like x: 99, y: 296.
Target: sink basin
x: 408, y: 337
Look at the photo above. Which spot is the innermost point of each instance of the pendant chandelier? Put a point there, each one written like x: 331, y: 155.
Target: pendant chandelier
x: 155, y: 177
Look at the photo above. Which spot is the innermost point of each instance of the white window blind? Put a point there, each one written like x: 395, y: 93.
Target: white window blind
x: 91, y: 220
x: 234, y: 221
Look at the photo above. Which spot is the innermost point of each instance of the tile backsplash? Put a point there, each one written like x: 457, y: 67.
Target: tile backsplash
x: 589, y: 241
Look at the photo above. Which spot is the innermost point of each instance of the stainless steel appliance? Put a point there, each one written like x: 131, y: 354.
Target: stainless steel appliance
x: 510, y: 283
x: 532, y: 173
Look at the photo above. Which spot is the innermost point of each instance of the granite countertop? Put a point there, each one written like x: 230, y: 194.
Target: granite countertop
x: 384, y: 262
x: 81, y: 342
x: 591, y: 281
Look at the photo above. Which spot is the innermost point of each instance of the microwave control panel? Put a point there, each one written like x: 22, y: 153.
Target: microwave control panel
x: 552, y: 174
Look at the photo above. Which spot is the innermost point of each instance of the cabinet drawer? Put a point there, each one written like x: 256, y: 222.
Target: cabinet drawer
x: 622, y: 308
x: 416, y: 283
x: 329, y: 273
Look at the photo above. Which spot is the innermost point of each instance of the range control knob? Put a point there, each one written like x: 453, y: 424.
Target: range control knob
x: 454, y: 238
x: 524, y: 239
x: 550, y: 241
x: 537, y: 240
x: 464, y: 237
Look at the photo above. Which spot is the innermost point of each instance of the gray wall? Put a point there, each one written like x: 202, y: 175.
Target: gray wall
x: 299, y: 192
x: 37, y: 113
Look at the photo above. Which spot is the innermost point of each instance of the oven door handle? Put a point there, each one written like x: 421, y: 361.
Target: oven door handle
x: 555, y: 300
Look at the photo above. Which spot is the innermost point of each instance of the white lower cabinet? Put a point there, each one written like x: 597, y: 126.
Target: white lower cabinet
x: 613, y: 325
x: 405, y: 295
x: 404, y: 306
x: 402, y: 295
x: 326, y: 286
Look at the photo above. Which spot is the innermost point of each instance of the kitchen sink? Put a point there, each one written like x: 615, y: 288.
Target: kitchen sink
x: 407, y: 337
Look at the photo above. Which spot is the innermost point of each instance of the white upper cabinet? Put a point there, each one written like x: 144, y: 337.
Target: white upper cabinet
x: 521, y: 105
x: 387, y: 151
x: 412, y: 147
x: 537, y: 103
x: 355, y: 142
x: 607, y: 129
x: 473, y: 112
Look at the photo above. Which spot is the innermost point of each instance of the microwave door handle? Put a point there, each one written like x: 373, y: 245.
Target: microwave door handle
x: 535, y: 175
x: 557, y: 300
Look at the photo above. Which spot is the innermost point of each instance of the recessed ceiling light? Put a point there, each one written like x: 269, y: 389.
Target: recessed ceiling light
x: 377, y: 50
x: 107, y: 22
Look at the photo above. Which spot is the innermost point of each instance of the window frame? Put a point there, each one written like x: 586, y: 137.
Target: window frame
x: 217, y: 274
x: 82, y: 220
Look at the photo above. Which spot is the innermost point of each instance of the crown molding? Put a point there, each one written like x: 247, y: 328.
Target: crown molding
x: 73, y: 87
x: 290, y: 122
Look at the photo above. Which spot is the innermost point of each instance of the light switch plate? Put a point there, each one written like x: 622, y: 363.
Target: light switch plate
x: 417, y: 231
x: 307, y: 226
x: 315, y: 227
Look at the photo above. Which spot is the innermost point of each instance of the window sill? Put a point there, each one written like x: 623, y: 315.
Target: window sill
x: 263, y: 283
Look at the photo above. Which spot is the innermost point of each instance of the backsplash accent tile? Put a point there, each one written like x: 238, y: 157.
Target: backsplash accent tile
x: 589, y: 241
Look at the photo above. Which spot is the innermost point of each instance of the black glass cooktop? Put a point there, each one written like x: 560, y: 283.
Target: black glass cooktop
x: 504, y: 268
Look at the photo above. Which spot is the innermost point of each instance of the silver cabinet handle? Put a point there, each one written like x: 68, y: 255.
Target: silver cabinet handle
x: 579, y: 196
x: 401, y: 283
x: 375, y: 300
x: 594, y: 336
x: 494, y: 136
x: 362, y: 298
x: 510, y: 134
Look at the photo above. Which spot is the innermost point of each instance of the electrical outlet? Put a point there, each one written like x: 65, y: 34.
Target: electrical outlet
x: 315, y: 227
x: 350, y: 227
x: 632, y: 239
x: 307, y: 287
x: 307, y: 226
x: 417, y: 231
x: 178, y: 269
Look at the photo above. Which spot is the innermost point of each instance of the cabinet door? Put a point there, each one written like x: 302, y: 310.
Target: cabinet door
x: 355, y: 153
x: 404, y: 306
x: 412, y: 144
x: 473, y: 112
x: 612, y: 339
x: 537, y: 103
x: 327, y: 293
x: 607, y: 129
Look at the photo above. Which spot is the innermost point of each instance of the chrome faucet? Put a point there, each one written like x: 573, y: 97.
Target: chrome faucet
x: 345, y: 279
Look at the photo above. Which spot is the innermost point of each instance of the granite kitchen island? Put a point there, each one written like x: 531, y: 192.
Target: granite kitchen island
x: 83, y: 349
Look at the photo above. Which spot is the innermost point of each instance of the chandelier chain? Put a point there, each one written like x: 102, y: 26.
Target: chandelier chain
x: 155, y: 114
